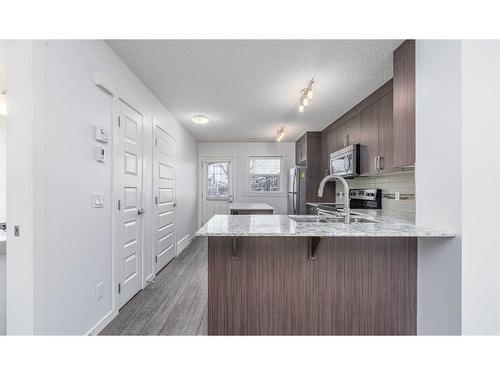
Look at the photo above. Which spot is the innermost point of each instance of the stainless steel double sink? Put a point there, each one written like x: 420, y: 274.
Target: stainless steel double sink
x: 329, y: 219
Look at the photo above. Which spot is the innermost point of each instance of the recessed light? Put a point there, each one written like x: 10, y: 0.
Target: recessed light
x: 200, y: 119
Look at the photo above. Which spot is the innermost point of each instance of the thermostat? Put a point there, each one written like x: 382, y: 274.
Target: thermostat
x: 101, y: 134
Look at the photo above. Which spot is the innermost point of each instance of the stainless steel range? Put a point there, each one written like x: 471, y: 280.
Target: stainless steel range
x: 366, y: 198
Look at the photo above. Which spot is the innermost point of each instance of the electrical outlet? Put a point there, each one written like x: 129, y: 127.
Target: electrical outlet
x: 397, y: 195
x: 100, y: 290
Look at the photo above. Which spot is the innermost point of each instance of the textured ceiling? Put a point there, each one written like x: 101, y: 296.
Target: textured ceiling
x: 250, y: 88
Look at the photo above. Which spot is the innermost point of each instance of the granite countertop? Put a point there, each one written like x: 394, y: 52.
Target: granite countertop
x: 281, y: 225
x: 250, y: 206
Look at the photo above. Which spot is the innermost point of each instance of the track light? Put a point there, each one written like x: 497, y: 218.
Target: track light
x: 280, y: 134
x: 306, y: 95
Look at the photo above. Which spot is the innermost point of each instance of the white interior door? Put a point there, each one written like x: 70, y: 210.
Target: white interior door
x: 128, y: 226
x: 164, y: 198
x: 217, y: 187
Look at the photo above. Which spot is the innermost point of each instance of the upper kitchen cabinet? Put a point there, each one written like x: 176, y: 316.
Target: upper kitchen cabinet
x: 301, y: 150
x: 376, y: 135
x: 348, y: 133
x: 308, y: 153
x: 404, y: 105
x: 385, y: 134
x: 369, y: 139
x: 308, y: 148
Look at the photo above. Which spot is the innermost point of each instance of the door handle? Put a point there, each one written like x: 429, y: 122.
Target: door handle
x: 140, y: 212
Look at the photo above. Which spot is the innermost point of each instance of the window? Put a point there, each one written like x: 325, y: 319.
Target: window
x: 265, y: 175
x: 218, y: 181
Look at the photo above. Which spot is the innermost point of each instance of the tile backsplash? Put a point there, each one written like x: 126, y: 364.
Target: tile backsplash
x: 402, y: 183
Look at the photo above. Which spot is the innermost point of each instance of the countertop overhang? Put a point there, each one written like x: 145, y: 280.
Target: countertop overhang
x: 283, y: 226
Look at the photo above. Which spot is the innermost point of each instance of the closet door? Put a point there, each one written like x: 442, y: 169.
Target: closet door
x: 128, y: 229
x: 164, y: 206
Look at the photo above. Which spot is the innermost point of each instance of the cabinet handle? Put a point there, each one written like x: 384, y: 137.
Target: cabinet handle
x: 380, y: 166
x: 376, y: 163
x: 346, y: 143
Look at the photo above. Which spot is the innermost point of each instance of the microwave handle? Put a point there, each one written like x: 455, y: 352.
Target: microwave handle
x: 347, y: 159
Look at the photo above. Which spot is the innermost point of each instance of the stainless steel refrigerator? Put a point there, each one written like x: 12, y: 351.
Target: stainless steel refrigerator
x: 297, y: 191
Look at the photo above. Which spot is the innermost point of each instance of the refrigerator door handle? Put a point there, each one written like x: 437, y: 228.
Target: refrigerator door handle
x: 295, y: 191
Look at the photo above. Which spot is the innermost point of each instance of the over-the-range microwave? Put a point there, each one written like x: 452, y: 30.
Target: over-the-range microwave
x: 345, y: 162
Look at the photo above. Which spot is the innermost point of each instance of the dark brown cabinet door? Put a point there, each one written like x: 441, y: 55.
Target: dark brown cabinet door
x: 353, y: 129
x: 385, y: 139
x: 369, y: 139
x: 348, y: 133
x: 404, y: 104
x: 340, y: 137
x: 301, y: 151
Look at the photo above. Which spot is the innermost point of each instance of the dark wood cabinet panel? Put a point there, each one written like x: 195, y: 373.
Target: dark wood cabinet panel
x: 301, y: 150
x: 308, y: 149
x: 328, y: 144
x: 356, y: 286
x: 369, y: 139
x: 348, y: 133
x: 404, y: 105
x: 353, y: 129
x: 385, y: 137
x: 314, y: 167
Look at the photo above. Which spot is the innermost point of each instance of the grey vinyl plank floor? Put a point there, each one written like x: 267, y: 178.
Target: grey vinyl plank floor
x: 174, y: 303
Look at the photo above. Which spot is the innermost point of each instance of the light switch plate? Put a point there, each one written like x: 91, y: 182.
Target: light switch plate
x: 98, y: 200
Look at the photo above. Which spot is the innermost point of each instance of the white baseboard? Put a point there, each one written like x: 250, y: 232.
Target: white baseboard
x: 102, y: 323
x: 183, y: 243
x: 150, y: 278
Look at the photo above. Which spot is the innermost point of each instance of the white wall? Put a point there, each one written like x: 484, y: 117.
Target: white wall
x: 2, y: 219
x: 241, y: 151
x: 438, y: 184
x: 457, y: 174
x: 77, y: 250
x: 480, y: 174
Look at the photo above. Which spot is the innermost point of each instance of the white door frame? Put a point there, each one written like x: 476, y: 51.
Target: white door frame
x: 115, y: 250
x: 201, y: 162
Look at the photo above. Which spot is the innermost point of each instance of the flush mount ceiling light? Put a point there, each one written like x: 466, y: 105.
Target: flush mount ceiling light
x: 200, y: 119
x: 306, y: 95
x: 280, y: 134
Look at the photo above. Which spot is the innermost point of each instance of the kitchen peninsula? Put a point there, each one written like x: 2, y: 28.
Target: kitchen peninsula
x: 303, y: 275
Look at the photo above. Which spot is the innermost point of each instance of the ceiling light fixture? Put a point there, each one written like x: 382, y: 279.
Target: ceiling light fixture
x: 200, y: 119
x: 280, y: 134
x: 306, y: 95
